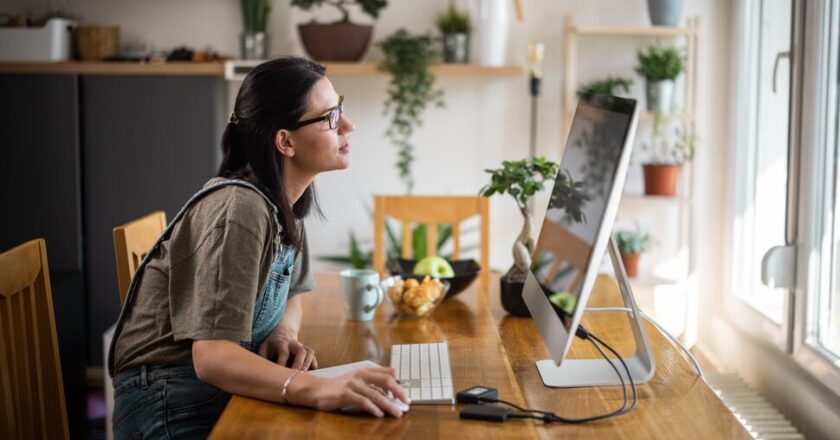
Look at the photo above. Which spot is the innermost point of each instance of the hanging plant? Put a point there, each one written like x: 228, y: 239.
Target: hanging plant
x: 411, y: 90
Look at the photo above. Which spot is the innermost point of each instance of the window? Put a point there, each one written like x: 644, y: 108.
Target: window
x: 761, y: 162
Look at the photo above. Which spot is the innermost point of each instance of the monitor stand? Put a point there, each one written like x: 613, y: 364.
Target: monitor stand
x: 597, y: 372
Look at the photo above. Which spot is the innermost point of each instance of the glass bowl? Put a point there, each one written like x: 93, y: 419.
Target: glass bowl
x: 412, y: 298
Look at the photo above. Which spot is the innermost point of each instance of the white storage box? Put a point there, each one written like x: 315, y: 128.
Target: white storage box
x: 49, y: 43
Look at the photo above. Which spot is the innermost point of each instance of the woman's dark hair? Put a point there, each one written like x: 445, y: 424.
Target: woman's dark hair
x: 274, y: 95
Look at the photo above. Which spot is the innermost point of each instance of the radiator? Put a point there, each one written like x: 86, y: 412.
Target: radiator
x: 759, y: 418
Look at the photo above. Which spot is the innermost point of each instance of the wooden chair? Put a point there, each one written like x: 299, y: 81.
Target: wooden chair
x: 31, y: 387
x: 132, y: 241
x: 431, y: 211
x: 566, y: 247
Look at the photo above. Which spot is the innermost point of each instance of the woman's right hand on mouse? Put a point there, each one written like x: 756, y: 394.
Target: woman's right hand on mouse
x: 354, y: 389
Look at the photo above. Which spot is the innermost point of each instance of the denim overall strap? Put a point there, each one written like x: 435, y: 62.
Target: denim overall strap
x: 271, y: 303
x: 129, y: 299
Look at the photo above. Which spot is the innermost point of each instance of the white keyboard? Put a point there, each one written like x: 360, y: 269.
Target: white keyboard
x: 424, y: 371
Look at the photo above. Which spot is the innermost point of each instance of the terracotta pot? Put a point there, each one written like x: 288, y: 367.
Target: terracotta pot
x: 631, y: 264
x: 512, y: 302
x: 335, y: 41
x: 661, y: 180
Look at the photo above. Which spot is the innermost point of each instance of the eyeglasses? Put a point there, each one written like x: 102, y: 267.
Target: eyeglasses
x: 333, y: 116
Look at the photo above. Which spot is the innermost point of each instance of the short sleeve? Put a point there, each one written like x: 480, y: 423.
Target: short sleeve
x: 213, y: 292
x: 302, y: 279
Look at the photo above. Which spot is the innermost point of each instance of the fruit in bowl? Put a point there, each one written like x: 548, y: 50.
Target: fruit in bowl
x: 434, y: 266
x: 413, y: 298
x: 464, y: 272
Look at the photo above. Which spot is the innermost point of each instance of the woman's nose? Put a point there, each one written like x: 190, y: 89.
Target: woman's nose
x: 346, y: 125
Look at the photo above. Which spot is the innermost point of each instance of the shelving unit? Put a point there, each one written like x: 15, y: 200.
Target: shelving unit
x: 648, y: 283
x: 237, y: 69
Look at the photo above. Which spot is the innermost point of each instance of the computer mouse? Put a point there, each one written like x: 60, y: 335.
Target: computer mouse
x: 399, y: 404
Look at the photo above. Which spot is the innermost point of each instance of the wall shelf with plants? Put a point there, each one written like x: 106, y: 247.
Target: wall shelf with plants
x: 669, y: 147
x: 237, y: 69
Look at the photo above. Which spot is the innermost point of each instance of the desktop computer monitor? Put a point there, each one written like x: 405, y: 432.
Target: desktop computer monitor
x: 577, y: 230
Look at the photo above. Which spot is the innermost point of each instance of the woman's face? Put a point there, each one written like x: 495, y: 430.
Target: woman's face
x: 316, y: 148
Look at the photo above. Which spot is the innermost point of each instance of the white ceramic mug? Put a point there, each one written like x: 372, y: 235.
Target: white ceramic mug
x: 362, y: 293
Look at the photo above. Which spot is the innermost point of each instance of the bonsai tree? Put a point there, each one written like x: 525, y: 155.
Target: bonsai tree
x: 660, y: 63
x: 369, y: 7
x: 610, y: 85
x: 411, y: 90
x: 453, y: 21
x: 521, y: 179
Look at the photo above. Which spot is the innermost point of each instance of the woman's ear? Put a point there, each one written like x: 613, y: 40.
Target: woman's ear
x: 283, y: 143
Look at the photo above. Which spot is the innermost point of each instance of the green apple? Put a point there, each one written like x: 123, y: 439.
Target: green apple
x: 434, y: 266
x: 565, y: 301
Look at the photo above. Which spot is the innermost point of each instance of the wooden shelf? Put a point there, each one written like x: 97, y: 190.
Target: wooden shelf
x: 632, y: 31
x: 115, y: 68
x: 240, y: 69
x: 644, y: 198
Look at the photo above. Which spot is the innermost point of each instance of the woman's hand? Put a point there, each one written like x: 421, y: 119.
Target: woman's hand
x: 282, y: 343
x: 357, y: 389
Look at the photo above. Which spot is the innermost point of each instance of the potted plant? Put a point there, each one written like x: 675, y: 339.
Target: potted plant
x: 666, y: 156
x: 411, y: 90
x: 520, y: 179
x: 660, y: 66
x: 253, y: 40
x: 665, y: 12
x: 455, y: 27
x: 631, y: 244
x: 611, y: 85
x: 341, y: 40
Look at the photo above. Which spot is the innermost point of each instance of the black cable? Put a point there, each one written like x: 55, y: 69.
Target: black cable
x: 629, y: 376
x: 548, y: 417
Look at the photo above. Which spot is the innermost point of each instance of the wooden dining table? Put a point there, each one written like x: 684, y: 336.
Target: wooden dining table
x: 491, y: 348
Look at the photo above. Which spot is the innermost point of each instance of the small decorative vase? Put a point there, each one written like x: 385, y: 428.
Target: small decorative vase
x: 254, y: 45
x: 661, y: 180
x: 660, y: 95
x: 665, y: 12
x: 491, y: 23
x: 456, y: 48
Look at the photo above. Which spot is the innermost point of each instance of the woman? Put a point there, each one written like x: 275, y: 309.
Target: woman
x: 214, y: 309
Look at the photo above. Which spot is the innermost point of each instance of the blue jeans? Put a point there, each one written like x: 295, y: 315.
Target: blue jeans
x: 165, y: 402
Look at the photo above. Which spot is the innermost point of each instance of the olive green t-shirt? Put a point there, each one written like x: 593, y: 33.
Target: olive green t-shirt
x: 206, y: 279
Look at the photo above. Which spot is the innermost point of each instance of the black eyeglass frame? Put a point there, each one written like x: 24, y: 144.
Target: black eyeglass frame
x: 326, y: 117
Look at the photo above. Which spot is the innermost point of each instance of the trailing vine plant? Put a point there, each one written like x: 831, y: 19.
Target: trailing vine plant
x: 411, y: 90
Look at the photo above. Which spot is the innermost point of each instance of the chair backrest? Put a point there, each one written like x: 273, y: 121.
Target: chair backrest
x: 31, y: 387
x: 431, y: 211
x: 132, y: 241
x: 565, y: 247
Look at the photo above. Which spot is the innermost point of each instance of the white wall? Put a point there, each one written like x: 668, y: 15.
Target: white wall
x: 486, y: 120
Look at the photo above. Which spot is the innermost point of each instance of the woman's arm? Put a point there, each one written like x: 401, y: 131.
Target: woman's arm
x: 226, y: 365
x: 282, y: 343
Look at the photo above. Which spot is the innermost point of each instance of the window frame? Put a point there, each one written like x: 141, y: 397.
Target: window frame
x: 817, y: 113
x: 743, y: 315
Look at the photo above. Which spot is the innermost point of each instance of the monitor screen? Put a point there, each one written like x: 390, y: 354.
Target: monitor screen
x: 579, y: 203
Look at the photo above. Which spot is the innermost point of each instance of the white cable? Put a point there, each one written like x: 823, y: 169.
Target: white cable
x: 658, y: 327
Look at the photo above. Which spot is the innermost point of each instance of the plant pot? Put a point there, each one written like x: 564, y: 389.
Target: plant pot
x: 665, y: 12
x: 660, y: 95
x: 661, y: 180
x: 254, y: 45
x: 631, y: 264
x: 456, y: 48
x: 512, y: 301
x: 335, y: 41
